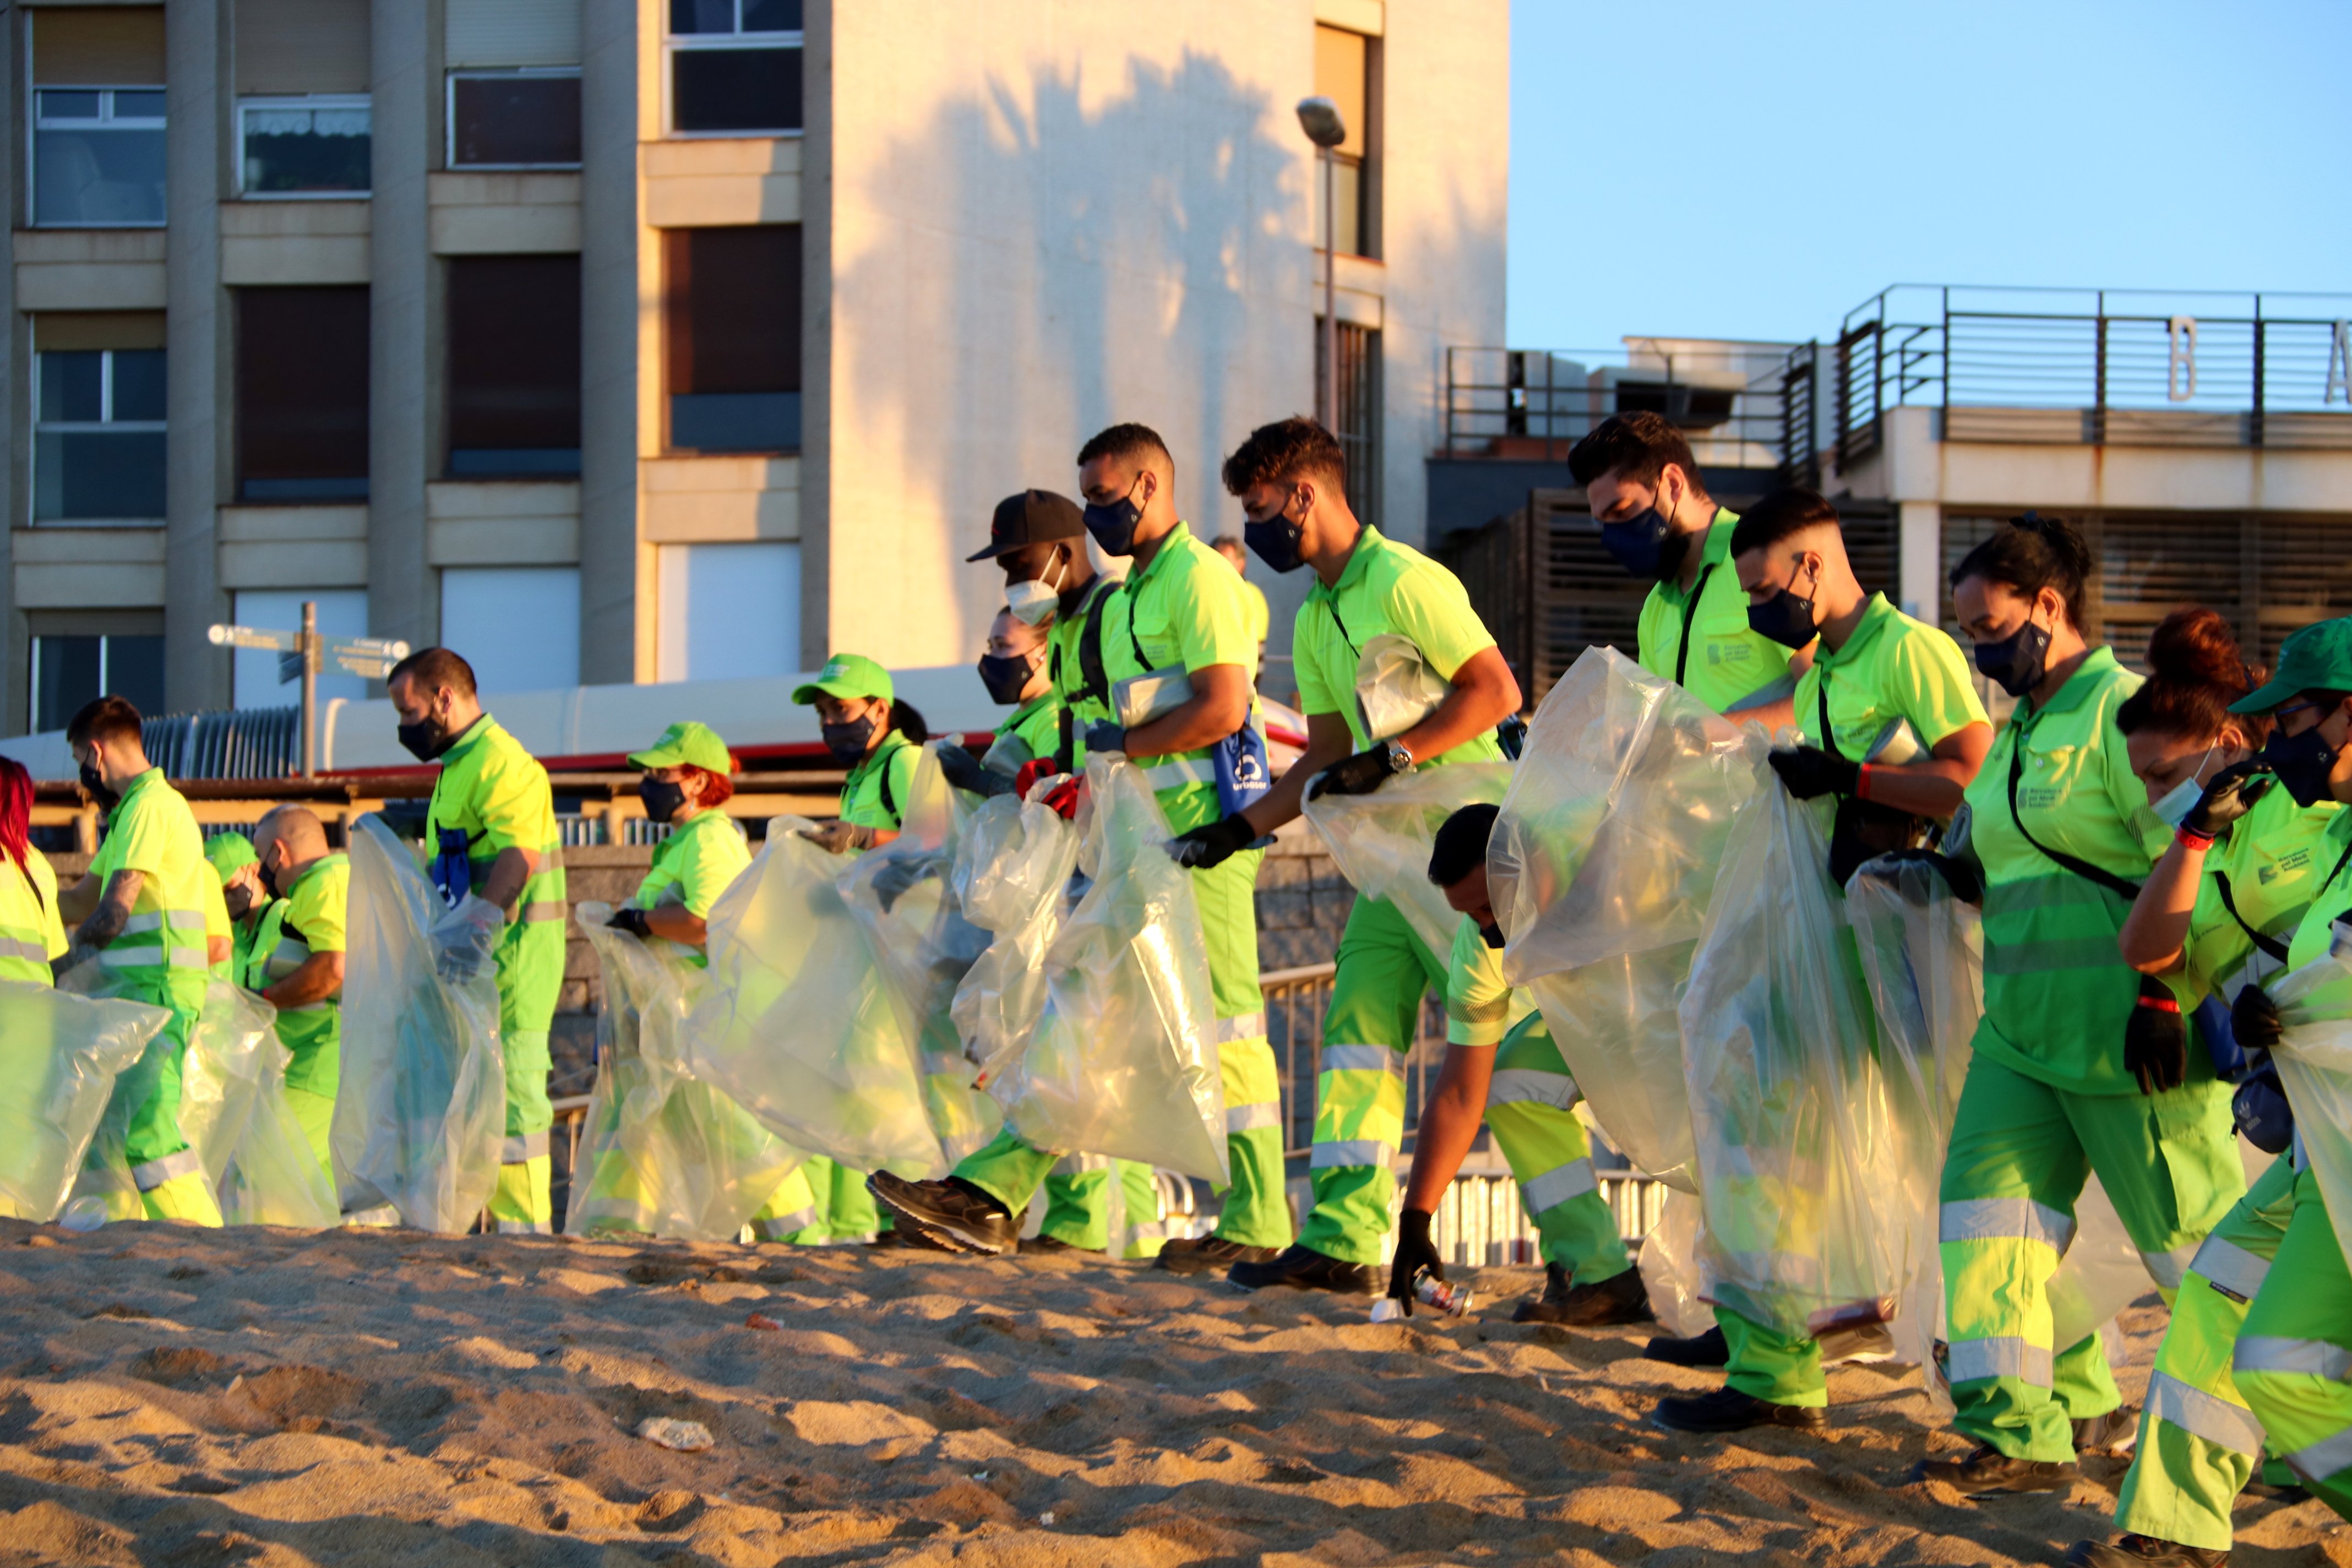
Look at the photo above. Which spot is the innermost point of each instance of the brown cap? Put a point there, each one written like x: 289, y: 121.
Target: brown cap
x: 1032, y: 517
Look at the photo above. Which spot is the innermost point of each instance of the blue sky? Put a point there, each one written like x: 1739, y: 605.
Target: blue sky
x: 1711, y: 169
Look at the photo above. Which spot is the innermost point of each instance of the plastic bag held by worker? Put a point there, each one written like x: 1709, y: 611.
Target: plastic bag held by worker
x: 2315, y: 1062
x: 661, y: 1153
x: 904, y: 894
x: 1125, y: 1061
x: 60, y: 1056
x: 1603, y: 864
x: 234, y: 1114
x: 797, y: 1024
x: 1013, y: 875
x: 1380, y: 841
x: 420, y: 1114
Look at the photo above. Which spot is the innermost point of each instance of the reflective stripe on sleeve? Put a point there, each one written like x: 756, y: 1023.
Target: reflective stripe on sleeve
x: 12, y: 947
x: 117, y: 957
x: 2200, y: 1414
x: 1531, y: 1086
x: 1183, y: 771
x: 2005, y: 1219
x: 156, y: 920
x: 1557, y: 1186
x: 1248, y: 1026
x: 522, y: 1147
x: 1362, y: 1058
x: 155, y: 1172
x: 2312, y: 1358
x: 2230, y: 1268
x: 1348, y: 1152
x: 2005, y: 1356
x: 1250, y: 1117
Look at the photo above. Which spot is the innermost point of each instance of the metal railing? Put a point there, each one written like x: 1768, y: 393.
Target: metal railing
x: 240, y: 743
x: 2124, y: 367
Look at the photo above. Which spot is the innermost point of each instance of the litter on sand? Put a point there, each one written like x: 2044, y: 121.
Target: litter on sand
x: 668, y: 1432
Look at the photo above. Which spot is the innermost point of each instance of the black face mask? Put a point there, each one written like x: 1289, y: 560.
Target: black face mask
x: 1646, y: 544
x: 1787, y: 617
x: 1491, y: 934
x: 1113, y: 526
x: 268, y: 880
x: 1276, y: 540
x: 661, y: 798
x: 2302, y: 763
x: 425, y: 740
x: 2018, y: 662
x: 1004, y: 675
x: 95, y: 783
x: 848, y: 743
x: 239, y: 900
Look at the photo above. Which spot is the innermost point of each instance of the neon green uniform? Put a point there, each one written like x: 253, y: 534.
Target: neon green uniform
x: 1033, y: 731
x: 31, y: 932
x: 1383, y: 969
x: 1260, y: 619
x: 1083, y: 701
x: 311, y: 919
x: 496, y: 792
x: 1701, y: 640
x: 2048, y: 1098
x: 160, y: 958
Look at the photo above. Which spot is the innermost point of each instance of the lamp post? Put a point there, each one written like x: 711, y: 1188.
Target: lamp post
x: 1319, y: 118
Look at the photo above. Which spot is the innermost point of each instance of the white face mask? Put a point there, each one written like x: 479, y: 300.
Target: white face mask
x: 1033, y: 603
x: 2174, y: 808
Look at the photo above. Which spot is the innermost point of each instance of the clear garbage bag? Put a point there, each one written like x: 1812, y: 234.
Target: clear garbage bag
x: 420, y: 1112
x: 903, y: 893
x: 1012, y: 873
x: 1396, y: 688
x: 60, y: 1056
x: 661, y: 1153
x: 1124, y: 1063
x: 1670, y: 1269
x: 234, y: 1114
x: 1380, y: 841
x: 2315, y: 1062
x: 797, y: 1024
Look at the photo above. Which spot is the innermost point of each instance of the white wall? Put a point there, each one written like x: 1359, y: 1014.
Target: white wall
x: 342, y: 613
x: 729, y: 611
x: 519, y: 626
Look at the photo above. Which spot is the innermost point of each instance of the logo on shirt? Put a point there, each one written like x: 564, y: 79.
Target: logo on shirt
x: 2297, y: 861
x: 1720, y: 653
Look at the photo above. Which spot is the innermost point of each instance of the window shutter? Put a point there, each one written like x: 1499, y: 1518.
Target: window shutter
x: 287, y: 47
x: 97, y: 47
x: 493, y: 33
x: 54, y: 331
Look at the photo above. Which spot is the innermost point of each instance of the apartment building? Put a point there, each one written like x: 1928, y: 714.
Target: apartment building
x: 626, y: 341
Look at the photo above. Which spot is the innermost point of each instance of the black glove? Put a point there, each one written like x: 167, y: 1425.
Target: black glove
x: 901, y: 872
x: 961, y: 769
x: 632, y: 920
x: 1414, y: 1253
x: 1359, y: 774
x: 2156, y: 1040
x: 1212, y: 843
x: 1959, y: 875
x: 1808, y: 772
x: 2254, y: 1020
x: 2231, y: 794
x: 1102, y: 735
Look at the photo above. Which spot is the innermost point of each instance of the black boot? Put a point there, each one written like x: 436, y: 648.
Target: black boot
x: 1209, y: 1254
x: 952, y: 1215
x: 1619, y: 1298
x: 1728, y: 1410
x: 1304, y: 1269
x: 2142, y: 1552
x: 1989, y: 1472
x: 1709, y: 1348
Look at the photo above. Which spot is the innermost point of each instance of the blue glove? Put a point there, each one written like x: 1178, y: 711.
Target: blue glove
x: 1102, y: 735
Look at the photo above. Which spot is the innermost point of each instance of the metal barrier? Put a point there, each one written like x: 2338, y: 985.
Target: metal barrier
x: 241, y: 743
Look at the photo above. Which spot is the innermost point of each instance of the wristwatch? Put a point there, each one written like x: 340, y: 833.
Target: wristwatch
x: 1399, y: 760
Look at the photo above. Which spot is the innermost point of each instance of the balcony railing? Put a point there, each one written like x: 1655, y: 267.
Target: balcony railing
x: 2097, y: 367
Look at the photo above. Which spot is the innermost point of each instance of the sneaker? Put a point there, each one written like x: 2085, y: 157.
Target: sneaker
x: 2116, y: 1432
x: 886, y: 1239
x: 1206, y: 1254
x: 2142, y: 1552
x: 1304, y: 1269
x: 1619, y: 1298
x: 1989, y: 1472
x: 1709, y: 1348
x: 1728, y: 1410
x: 947, y: 1216
x: 1042, y: 1245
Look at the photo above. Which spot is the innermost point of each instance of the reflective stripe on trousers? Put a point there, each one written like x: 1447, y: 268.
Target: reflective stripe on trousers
x: 2167, y: 1268
x: 521, y: 1147
x: 1527, y: 1085
x: 2230, y: 1269
x: 1247, y: 1026
x: 523, y: 1227
x: 1362, y: 1058
x: 783, y: 1228
x: 1557, y: 1186
x: 2007, y: 1356
x: 2200, y: 1414
x: 153, y: 1173
x: 2005, y: 1219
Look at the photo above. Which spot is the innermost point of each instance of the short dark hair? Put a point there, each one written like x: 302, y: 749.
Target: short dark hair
x: 1129, y: 440
x: 906, y: 719
x: 434, y: 668
x: 1283, y: 451
x: 102, y: 719
x: 2030, y: 553
x: 1790, y: 510
x: 1460, y: 846
x: 1231, y: 541
x: 1635, y: 446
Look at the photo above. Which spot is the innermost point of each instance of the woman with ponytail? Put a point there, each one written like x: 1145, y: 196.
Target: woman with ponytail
x: 2078, y: 1068
x: 31, y: 932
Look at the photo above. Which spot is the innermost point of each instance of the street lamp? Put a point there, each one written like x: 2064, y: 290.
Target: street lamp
x: 1319, y: 118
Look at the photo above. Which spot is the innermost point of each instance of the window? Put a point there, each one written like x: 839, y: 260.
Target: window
x: 735, y: 66
x: 1358, y: 414
x: 342, y: 613
x: 98, y: 156
x: 728, y: 611
x: 1346, y: 72
x: 732, y: 321
x: 313, y: 146
x: 514, y: 120
x: 519, y: 626
x: 72, y: 669
x: 514, y: 366
x: 98, y: 436
x: 302, y: 394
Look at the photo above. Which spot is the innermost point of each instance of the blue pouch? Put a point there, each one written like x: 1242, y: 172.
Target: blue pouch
x: 1243, y: 777
x: 450, y: 871
x: 2231, y: 1062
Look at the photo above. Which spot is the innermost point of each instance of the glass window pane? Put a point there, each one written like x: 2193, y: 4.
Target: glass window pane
x: 728, y: 611
x: 306, y: 150
x: 702, y: 16
x: 134, y: 672
x: 509, y: 120
x: 302, y: 393
x: 756, y: 90
x: 97, y: 176
x: 88, y: 476
x: 771, y: 15
x: 56, y: 105
x: 69, y: 386
x: 64, y: 677
x: 138, y: 384
x: 735, y: 422
x: 519, y: 626
x: 139, y: 105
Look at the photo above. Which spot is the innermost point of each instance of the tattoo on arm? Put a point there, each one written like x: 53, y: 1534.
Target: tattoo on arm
x: 113, y: 912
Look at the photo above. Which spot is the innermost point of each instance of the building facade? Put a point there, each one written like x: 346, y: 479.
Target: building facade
x: 624, y: 340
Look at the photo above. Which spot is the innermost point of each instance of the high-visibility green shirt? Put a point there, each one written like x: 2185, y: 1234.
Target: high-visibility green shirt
x: 877, y: 788
x: 219, y: 925
x: 1387, y: 588
x: 1183, y: 609
x: 241, y: 936
x: 1891, y: 668
x: 2057, y: 990
x: 1480, y: 1006
x: 1728, y: 661
x: 691, y: 868
x: 497, y: 795
x: 1066, y: 667
x: 2315, y: 934
x: 311, y: 919
x: 1261, y: 615
x: 32, y: 933
x: 2271, y: 861
x: 1032, y: 731
x: 151, y: 831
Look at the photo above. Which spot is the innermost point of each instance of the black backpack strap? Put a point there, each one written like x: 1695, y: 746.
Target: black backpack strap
x: 1690, y: 616
x: 889, y: 798
x: 1829, y: 736
x: 2080, y: 866
x: 2269, y: 944
x: 1094, y: 679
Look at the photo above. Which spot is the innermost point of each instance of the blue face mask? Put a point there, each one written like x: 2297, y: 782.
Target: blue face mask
x: 1113, y: 526
x: 1276, y: 540
x: 1646, y: 544
x: 2016, y: 662
x: 1785, y: 618
x: 2182, y: 798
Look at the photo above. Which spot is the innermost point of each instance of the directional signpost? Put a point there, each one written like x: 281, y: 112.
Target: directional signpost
x: 300, y: 655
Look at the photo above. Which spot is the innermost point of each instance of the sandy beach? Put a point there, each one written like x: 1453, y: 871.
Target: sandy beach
x: 278, y: 1398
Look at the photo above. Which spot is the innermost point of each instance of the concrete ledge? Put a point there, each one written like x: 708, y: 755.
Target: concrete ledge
x: 89, y: 586
x: 89, y: 270
x: 705, y: 184
x: 1367, y: 16
x: 720, y: 500
x: 88, y: 546
x: 491, y: 500
x: 294, y: 242
x: 294, y: 564
x: 508, y: 213
x: 275, y: 524
x: 512, y: 523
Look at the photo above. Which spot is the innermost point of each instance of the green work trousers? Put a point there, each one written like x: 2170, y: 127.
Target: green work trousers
x: 1077, y: 1187
x: 2294, y: 1360
x: 531, y: 977
x: 792, y: 1212
x: 2020, y: 1152
x: 315, y: 1113
x: 1529, y: 1108
x: 1383, y: 971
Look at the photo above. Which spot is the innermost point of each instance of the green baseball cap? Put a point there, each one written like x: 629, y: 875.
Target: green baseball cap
x: 848, y: 675
x: 230, y: 853
x: 698, y: 745
x: 2316, y: 659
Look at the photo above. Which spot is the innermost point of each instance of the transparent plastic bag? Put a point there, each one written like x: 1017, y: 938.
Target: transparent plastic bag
x: 796, y: 1023
x: 1124, y: 1063
x: 903, y: 893
x: 1670, y: 1270
x: 420, y: 1112
x: 1380, y: 841
x: 60, y: 1056
x: 1013, y: 877
x: 2315, y: 1062
x: 1395, y: 687
x: 234, y: 1114
x: 661, y: 1153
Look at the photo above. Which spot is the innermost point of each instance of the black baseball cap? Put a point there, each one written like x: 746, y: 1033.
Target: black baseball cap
x: 1032, y: 517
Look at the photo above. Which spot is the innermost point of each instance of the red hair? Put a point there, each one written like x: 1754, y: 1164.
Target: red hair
x: 718, y: 789
x: 2195, y: 671
x: 15, y: 810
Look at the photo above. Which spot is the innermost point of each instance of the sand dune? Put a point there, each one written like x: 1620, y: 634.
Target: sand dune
x: 275, y: 1398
